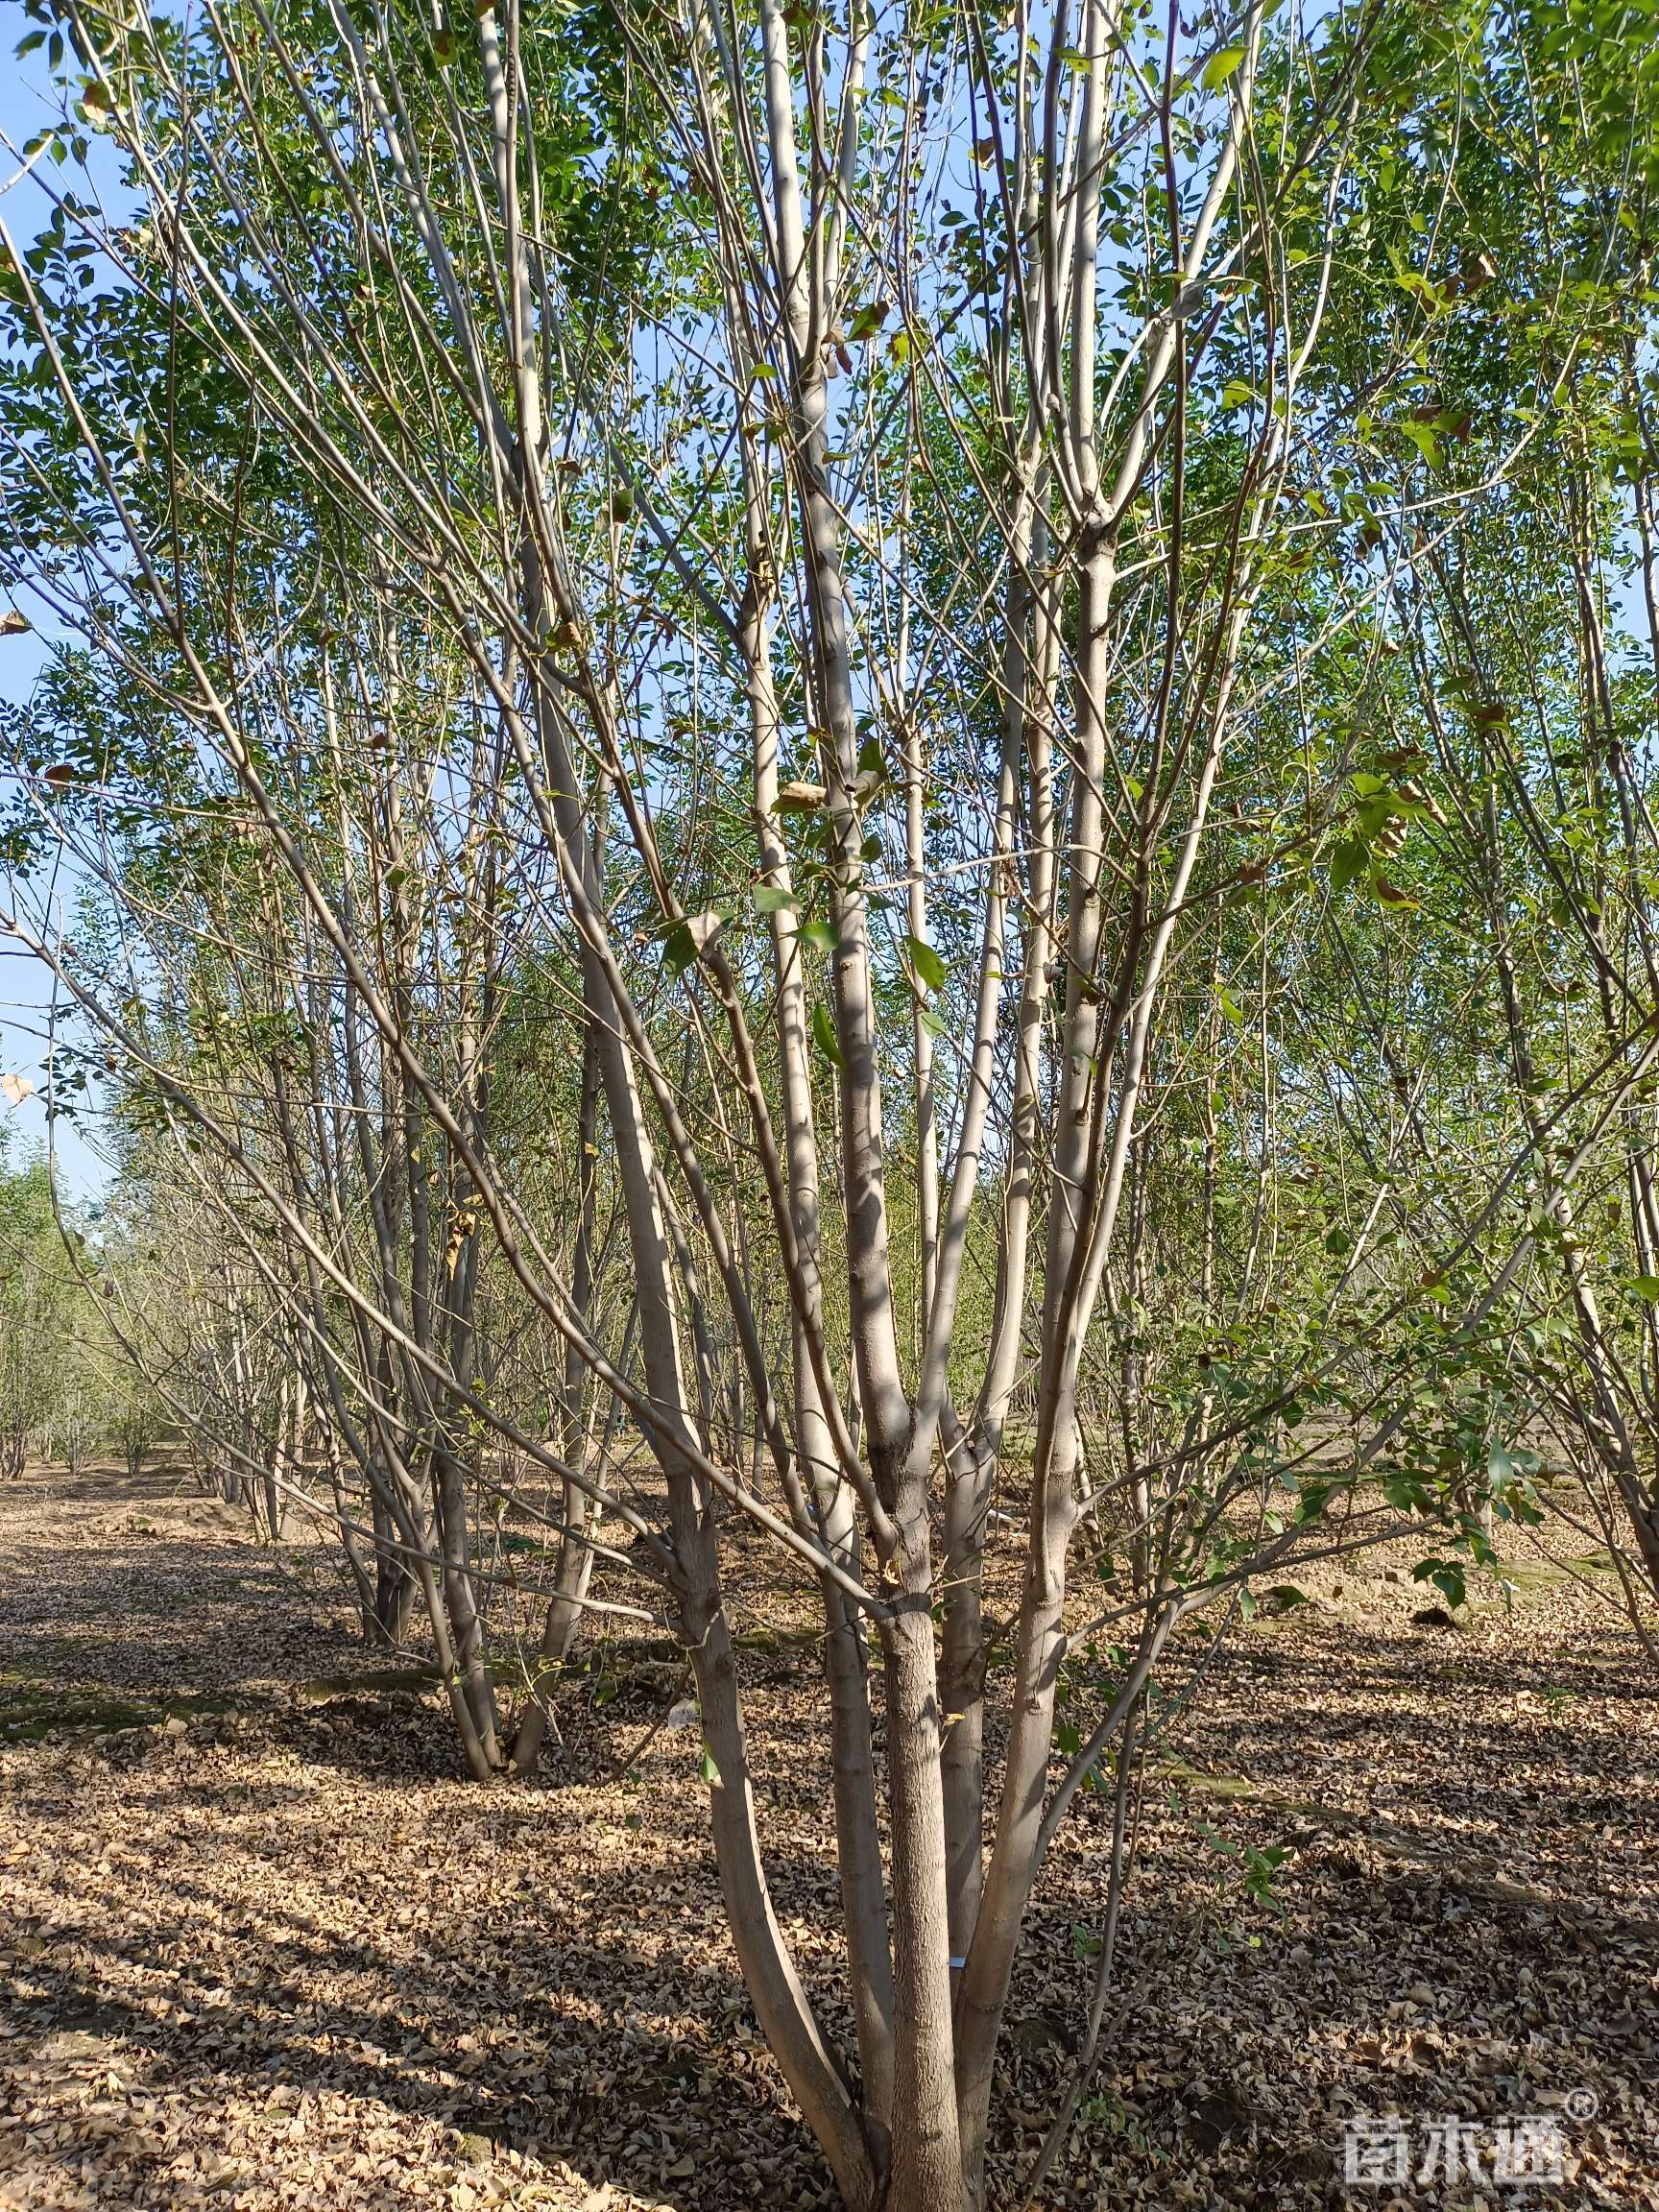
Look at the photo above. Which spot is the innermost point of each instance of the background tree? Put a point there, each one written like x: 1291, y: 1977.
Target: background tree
x: 44, y: 1406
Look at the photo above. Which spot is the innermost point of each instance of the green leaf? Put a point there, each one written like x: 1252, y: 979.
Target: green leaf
x: 1425, y: 441
x: 1347, y: 863
x: 708, y: 1770
x: 1221, y: 65
x: 819, y: 935
x: 926, y: 961
x: 1404, y: 1495
x: 824, y: 1035
x: 1447, y: 1577
x: 1647, y: 1288
x: 770, y: 900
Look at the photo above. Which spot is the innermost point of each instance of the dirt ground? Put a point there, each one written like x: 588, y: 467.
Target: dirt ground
x: 261, y: 1943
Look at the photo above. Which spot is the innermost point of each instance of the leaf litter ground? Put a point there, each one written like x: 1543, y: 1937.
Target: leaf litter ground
x: 262, y: 1945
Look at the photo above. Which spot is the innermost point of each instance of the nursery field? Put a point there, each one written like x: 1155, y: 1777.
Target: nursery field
x: 830, y: 1106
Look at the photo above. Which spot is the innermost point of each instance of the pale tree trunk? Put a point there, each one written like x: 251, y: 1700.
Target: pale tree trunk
x: 574, y: 1566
